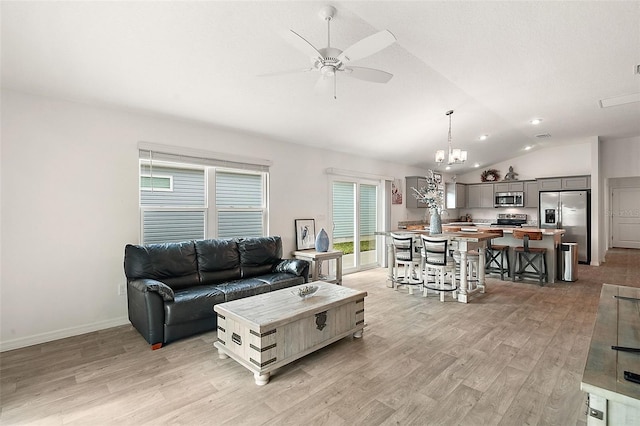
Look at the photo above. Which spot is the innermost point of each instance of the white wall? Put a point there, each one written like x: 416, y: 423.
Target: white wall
x: 69, y: 199
x: 620, y: 167
x: 621, y: 157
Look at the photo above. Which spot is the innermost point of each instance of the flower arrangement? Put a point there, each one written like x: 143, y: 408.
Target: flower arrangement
x: 432, y: 194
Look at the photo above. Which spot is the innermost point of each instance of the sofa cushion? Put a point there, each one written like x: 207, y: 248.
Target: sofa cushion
x: 192, y: 304
x: 173, y: 264
x: 292, y: 266
x: 218, y: 260
x: 243, y: 288
x: 279, y: 280
x: 259, y: 255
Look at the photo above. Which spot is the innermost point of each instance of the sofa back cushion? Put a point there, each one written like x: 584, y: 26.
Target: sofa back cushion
x: 259, y: 255
x: 174, y: 264
x: 218, y: 260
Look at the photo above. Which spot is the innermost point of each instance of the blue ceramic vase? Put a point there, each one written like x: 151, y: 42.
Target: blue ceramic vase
x: 322, y: 241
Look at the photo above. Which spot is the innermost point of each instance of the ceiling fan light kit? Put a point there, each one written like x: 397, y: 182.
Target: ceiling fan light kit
x: 329, y: 61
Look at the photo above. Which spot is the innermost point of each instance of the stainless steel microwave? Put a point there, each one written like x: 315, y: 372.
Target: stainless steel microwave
x: 509, y: 199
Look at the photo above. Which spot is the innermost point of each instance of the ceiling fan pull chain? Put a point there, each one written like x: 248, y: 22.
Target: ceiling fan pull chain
x: 335, y: 83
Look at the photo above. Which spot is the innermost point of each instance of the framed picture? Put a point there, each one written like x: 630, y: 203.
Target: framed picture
x: 396, y: 191
x: 305, y: 234
x: 437, y: 177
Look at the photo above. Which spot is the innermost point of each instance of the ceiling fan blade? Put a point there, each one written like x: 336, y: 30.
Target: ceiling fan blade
x: 368, y: 74
x: 284, y: 72
x: 367, y: 46
x: 302, y: 44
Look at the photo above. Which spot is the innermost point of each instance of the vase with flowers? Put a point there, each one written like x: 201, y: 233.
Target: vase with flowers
x: 432, y: 194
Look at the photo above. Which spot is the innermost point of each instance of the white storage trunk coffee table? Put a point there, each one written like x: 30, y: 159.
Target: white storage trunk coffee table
x: 267, y: 331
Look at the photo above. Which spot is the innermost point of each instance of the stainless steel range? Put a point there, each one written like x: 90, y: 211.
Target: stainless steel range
x: 508, y: 220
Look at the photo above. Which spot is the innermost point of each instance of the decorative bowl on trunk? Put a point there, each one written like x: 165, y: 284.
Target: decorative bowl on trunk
x: 306, y: 291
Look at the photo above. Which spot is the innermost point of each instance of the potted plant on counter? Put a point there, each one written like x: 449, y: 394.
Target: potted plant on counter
x: 432, y: 194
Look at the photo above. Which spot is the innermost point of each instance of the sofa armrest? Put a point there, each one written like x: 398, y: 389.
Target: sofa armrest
x: 161, y: 288
x: 296, y: 267
x: 146, y: 308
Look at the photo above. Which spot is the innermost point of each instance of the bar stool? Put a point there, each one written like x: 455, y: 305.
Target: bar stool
x: 530, y: 256
x: 408, y: 255
x: 497, y: 255
x: 438, y: 264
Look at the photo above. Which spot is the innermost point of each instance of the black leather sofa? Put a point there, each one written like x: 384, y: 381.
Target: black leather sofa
x: 172, y: 287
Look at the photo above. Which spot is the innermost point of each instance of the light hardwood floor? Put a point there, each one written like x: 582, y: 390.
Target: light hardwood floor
x: 512, y: 356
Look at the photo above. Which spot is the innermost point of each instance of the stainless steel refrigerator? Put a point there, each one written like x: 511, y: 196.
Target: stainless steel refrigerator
x: 571, y: 211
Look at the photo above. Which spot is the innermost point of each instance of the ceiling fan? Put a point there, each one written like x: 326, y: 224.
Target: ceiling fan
x: 329, y: 61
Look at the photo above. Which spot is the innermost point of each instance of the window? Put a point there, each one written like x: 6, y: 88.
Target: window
x: 156, y: 183
x: 240, y: 204
x: 190, y: 197
x: 177, y: 210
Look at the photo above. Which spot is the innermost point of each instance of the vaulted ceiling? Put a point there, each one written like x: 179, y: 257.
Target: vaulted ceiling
x: 496, y: 64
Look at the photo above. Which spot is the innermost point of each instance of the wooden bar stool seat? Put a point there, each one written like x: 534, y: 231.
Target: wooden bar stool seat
x: 497, y: 255
x: 533, y: 257
x: 451, y: 228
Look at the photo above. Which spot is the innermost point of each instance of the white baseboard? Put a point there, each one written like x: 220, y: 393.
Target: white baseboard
x: 61, y: 334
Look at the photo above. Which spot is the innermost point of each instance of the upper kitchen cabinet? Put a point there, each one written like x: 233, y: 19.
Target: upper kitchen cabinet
x: 508, y: 187
x: 456, y: 195
x: 416, y: 182
x: 564, y: 183
x: 531, y: 193
x: 480, y: 195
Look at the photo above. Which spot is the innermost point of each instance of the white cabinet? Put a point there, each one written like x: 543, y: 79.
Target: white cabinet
x: 480, y: 196
x: 456, y: 195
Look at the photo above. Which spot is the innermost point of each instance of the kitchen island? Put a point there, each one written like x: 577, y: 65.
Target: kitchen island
x: 551, y: 239
x: 465, y: 240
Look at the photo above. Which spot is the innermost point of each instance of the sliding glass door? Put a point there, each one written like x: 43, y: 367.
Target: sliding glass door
x: 355, y: 220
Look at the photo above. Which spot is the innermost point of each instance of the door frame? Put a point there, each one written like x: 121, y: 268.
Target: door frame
x: 381, y: 196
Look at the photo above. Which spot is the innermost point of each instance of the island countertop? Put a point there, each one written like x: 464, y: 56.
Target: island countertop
x: 553, y: 232
x: 551, y: 240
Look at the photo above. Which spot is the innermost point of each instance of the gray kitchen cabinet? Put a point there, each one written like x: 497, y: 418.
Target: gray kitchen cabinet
x: 416, y: 182
x: 550, y: 184
x: 531, y: 193
x: 480, y: 196
x: 576, y: 182
x: 564, y: 183
x: 508, y: 187
x: 456, y: 195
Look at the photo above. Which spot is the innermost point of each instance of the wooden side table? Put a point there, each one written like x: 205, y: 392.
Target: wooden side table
x: 316, y: 258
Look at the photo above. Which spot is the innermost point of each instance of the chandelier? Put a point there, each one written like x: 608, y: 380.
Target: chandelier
x: 456, y: 156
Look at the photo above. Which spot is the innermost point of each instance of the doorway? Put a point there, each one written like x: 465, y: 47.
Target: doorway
x: 625, y: 217
x: 355, y: 207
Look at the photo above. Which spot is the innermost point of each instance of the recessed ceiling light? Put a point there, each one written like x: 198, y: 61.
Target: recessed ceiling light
x: 484, y: 137
x: 448, y: 168
x: 536, y: 121
x: 528, y: 147
x: 476, y: 165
